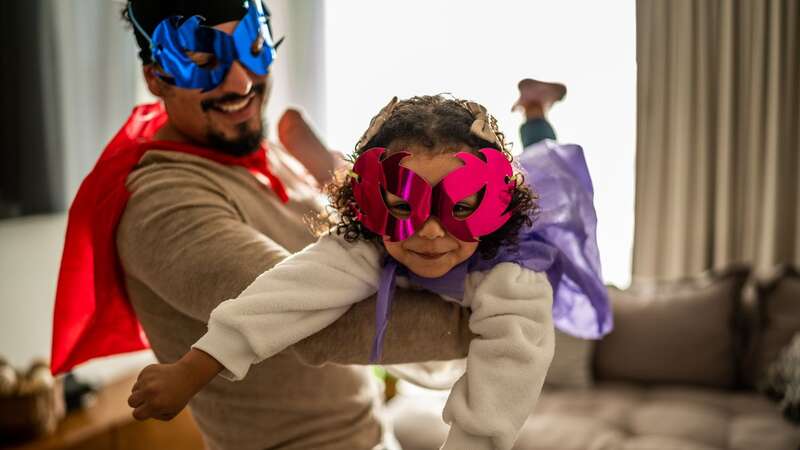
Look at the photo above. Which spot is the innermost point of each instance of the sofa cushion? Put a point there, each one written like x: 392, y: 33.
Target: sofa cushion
x: 674, y: 332
x: 572, y: 362
x: 779, y: 318
x: 662, y: 443
x: 782, y: 380
x: 622, y: 416
x: 553, y: 431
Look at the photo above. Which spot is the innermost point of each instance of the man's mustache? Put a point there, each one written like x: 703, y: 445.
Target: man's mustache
x: 211, y: 103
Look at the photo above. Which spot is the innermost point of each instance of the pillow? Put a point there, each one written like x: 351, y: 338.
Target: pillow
x: 675, y: 332
x: 572, y: 363
x: 571, y: 367
x: 779, y: 318
x: 782, y: 380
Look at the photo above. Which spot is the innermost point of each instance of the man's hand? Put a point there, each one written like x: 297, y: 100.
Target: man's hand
x: 162, y: 390
x: 301, y: 142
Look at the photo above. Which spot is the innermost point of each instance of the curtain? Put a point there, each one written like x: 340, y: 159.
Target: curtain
x: 298, y: 73
x: 69, y: 80
x: 718, y: 135
x: 30, y: 169
x: 97, y: 84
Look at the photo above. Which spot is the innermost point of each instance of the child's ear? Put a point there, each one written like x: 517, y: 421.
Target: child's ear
x: 155, y: 84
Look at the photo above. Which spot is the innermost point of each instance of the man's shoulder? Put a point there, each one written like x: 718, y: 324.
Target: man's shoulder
x: 165, y: 168
x: 169, y: 161
x: 162, y: 165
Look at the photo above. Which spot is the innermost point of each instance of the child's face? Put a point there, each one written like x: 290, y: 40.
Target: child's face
x: 430, y: 252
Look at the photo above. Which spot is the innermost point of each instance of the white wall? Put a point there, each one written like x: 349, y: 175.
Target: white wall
x: 30, y: 249
x: 299, y: 67
x: 479, y: 50
x: 30, y: 253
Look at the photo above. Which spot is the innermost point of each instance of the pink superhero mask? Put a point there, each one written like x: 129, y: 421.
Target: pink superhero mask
x: 491, y: 178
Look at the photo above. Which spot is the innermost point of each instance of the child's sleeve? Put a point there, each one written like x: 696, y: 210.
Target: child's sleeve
x: 298, y: 297
x: 508, y: 359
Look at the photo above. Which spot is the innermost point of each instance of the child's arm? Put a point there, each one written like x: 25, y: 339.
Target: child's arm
x: 300, y: 296
x: 507, y: 361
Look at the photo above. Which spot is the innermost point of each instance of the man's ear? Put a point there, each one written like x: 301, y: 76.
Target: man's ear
x: 155, y: 84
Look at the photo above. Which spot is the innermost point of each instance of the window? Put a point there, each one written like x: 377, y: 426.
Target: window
x: 479, y: 50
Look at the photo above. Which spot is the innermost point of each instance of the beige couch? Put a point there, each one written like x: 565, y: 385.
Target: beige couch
x: 677, y: 373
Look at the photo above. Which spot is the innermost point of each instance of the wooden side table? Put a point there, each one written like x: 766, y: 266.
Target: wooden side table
x: 108, y: 425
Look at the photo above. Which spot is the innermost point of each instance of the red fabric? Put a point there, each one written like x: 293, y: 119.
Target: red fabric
x: 93, y: 316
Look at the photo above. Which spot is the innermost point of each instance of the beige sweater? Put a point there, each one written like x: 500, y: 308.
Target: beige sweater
x: 196, y: 233
x: 507, y: 362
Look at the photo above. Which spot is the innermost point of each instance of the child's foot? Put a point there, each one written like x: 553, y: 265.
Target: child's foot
x: 536, y: 97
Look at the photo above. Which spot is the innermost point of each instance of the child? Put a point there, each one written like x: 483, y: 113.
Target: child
x: 432, y: 202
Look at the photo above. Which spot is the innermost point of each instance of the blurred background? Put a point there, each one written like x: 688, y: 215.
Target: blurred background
x: 697, y: 144
x: 79, y: 77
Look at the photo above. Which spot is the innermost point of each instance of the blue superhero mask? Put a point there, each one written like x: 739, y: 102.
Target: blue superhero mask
x: 195, y: 56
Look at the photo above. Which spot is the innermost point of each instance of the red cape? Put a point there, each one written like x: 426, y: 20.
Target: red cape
x: 93, y: 316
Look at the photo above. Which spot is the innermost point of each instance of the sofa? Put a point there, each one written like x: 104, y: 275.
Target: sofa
x: 680, y: 371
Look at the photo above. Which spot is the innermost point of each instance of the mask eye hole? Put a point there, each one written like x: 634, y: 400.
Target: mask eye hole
x: 204, y: 60
x: 397, y: 207
x: 466, y: 207
x: 462, y: 210
x: 257, y: 46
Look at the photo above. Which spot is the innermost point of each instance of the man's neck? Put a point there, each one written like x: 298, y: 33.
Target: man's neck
x: 169, y: 133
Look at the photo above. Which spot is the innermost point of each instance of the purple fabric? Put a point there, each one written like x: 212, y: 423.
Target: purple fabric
x: 567, y: 225
x: 383, y: 307
x: 562, y: 243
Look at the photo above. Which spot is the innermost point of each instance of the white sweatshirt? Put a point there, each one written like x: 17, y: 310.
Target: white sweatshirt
x: 506, y: 364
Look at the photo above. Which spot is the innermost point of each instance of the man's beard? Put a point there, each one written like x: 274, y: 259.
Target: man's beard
x: 246, y: 141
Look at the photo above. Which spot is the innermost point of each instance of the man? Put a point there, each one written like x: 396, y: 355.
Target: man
x: 208, y: 208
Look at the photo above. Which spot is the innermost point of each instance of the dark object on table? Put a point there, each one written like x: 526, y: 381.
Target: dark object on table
x: 77, y: 394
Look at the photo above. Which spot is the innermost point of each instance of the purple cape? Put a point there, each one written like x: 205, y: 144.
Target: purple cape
x: 562, y: 242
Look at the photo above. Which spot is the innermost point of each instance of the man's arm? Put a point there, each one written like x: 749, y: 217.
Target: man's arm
x: 422, y: 327
x: 182, y: 238
x: 302, y: 143
x: 303, y: 294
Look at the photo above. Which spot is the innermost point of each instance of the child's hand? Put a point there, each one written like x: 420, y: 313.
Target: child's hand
x: 161, y: 391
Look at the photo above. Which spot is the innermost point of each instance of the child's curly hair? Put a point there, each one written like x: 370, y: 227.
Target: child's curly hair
x: 433, y: 122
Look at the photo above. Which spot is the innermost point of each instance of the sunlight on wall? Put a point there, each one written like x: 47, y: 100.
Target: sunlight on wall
x: 479, y: 51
